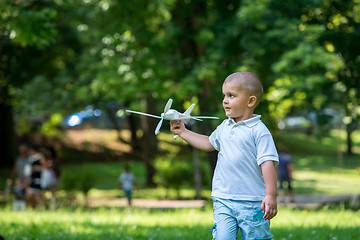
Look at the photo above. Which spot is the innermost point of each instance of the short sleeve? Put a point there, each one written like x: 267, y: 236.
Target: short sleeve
x: 266, y: 150
x: 214, y: 139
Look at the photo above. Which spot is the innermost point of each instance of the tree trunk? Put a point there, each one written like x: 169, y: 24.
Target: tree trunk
x: 111, y: 113
x: 133, y: 124
x: 7, y: 132
x: 349, y: 131
x: 150, y: 143
x: 340, y: 157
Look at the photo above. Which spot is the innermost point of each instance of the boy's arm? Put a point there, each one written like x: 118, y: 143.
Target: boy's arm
x: 269, y: 204
x: 196, y: 140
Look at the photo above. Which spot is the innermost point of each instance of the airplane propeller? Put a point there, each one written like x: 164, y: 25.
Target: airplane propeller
x: 166, y: 109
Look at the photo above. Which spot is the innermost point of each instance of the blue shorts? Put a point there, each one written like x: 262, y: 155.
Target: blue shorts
x: 128, y: 194
x: 230, y: 215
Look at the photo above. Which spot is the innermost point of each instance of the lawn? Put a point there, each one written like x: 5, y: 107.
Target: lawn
x: 184, y: 224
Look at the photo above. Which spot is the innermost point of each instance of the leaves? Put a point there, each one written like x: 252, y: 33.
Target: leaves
x: 111, y: 51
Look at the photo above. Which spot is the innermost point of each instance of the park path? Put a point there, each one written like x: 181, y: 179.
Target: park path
x: 317, y: 201
x: 301, y: 201
x: 146, y: 203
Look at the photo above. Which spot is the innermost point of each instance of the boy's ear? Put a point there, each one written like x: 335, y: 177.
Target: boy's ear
x: 252, y: 101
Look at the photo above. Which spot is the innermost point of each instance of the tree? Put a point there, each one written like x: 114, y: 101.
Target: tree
x: 39, y: 49
x: 341, y: 35
x: 322, y: 69
x: 122, y: 64
x: 25, y: 30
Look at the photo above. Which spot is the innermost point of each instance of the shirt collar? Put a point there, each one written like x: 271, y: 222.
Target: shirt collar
x: 248, y: 122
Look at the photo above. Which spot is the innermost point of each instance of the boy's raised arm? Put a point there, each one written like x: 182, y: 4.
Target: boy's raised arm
x: 194, y: 139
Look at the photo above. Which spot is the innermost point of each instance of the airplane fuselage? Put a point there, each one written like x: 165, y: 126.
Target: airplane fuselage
x: 172, y: 114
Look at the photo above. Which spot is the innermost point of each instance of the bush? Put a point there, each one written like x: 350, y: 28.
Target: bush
x: 86, y: 181
x: 173, y: 171
x: 82, y: 181
x: 68, y: 183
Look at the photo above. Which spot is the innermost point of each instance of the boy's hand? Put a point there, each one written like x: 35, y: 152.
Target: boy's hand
x: 177, y: 127
x: 269, y: 207
x: 196, y: 140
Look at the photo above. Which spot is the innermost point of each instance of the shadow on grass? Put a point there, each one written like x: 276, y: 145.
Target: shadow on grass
x: 71, y: 155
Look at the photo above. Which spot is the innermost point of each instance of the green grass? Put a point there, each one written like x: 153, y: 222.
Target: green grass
x: 327, y: 145
x: 320, y: 224
x: 167, y: 224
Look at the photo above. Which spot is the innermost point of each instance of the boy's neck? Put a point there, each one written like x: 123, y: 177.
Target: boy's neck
x: 243, y: 118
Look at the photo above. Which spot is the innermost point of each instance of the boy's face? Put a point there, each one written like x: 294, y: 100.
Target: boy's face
x: 236, y: 102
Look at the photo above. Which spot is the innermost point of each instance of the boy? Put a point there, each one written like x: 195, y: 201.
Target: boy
x: 244, y: 182
x: 127, y: 182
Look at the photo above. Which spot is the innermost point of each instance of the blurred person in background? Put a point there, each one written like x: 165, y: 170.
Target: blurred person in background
x: 50, y: 174
x: 285, y: 175
x: 34, y: 192
x: 19, y: 193
x: 21, y: 169
x: 127, y: 182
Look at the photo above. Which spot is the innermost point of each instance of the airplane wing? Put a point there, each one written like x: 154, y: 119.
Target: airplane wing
x: 145, y: 114
x: 198, y: 118
x: 205, y: 117
x: 183, y: 118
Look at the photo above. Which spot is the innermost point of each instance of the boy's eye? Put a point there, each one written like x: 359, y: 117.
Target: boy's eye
x: 229, y: 95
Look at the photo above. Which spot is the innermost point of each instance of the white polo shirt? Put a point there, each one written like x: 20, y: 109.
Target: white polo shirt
x: 242, y: 147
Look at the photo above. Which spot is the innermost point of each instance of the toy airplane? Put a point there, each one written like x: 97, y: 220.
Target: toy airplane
x: 171, y: 114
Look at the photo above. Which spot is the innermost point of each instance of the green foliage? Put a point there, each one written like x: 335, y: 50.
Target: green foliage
x: 74, y: 53
x: 82, y: 181
x: 86, y: 181
x: 52, y: 127
x: 173, y: 171
x: 26, y: 26
x: 69, y: 184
